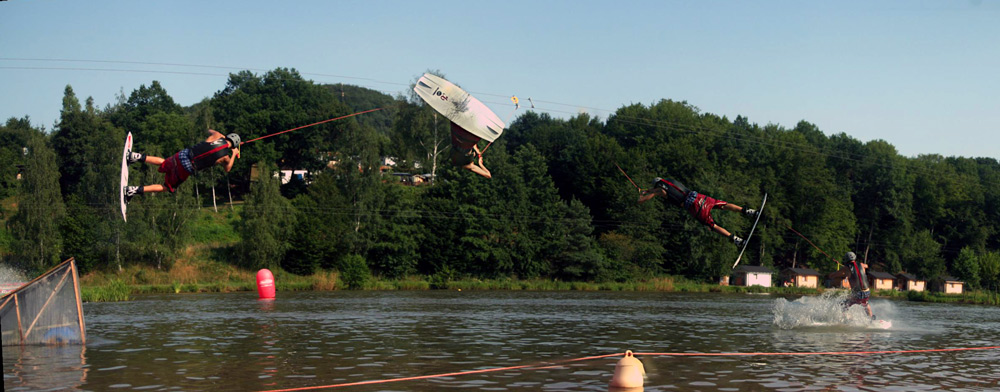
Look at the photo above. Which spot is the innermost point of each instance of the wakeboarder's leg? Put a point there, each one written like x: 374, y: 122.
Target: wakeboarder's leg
x: 134, y: 157
x: 749, y: 212
x: 133, y: 191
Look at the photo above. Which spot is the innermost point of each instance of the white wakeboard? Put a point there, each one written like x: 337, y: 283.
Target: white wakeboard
x: 121, y: 190
x: 877, y: 324
x: 746, y: 242
x: 459, y: 107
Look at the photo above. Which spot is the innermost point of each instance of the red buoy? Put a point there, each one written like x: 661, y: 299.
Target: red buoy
x: 265, y: 284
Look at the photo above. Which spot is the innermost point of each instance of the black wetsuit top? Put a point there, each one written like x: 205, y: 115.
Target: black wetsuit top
x: 204, y: 154
x: 857, y: 276
x: 676, y: 192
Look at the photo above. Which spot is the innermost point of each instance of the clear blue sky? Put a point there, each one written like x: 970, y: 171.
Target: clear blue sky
x: 923, y: 75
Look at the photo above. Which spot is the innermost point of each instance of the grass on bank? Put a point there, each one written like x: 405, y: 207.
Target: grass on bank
x: 213, y: 277
x: 968, y: 297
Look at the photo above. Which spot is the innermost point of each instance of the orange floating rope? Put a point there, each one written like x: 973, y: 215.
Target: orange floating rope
x: 933, y: 350
x: 548, y: 365
x: 500, y: 369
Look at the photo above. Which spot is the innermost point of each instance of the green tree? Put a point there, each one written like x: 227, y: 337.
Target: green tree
x: 420, y: 134
x: 35, y: 226
x: 265, y: 223
x: 922, y: 254
x: 397, y: 234
x: 529, y: 214
x: 13, y: 139
x: 462, y: 234
x: 86, y: 146
x: 989, y: 270
x: 159, y: 226
x: 354, y: 272
x: 142, y: 103
x: 278, y: 100
x: 577, y: 256
x: 323, y: 228
x: 361, y: 99
x: 967, y: 267
x: 69, y: 142
x: 79, y: 239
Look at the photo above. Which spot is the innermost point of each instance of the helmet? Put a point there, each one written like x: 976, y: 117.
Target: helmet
x: 234, y: 139
x: 850, y: 256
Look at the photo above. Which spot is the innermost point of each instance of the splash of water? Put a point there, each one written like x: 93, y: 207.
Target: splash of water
x: 9, y: 274
x: 823, y: 310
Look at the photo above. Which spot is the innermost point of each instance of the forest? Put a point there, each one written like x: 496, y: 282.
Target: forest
x: 557, y: 206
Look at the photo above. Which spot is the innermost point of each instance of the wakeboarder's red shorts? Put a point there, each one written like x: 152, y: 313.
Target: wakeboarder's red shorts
x: 702, y: 207
x: 859, y: 298
x: 174, y: 171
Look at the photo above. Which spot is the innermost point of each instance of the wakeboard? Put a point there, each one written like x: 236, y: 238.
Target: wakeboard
x: 459, y: 106
x: 121, y: 190
x: 746, y: 242
x: 877, y: 324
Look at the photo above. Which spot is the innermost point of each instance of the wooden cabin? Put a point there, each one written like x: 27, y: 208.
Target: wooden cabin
x: 878, y: 280
x: 838, y: 279
x: 948, y: 285
x: 909, y: 282
x: 800, y: 277
x: 752, y: 275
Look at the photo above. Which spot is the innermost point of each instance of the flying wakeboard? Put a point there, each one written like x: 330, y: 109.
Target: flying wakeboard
x: 459, y: 107
x: 746, y: 241
x: 121, y: 190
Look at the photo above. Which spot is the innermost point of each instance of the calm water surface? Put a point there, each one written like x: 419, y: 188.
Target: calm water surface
x: 232, y: 342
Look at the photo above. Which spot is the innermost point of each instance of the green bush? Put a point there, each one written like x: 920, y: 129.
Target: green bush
x: 442, y: 277
x: 141, y: 277
x: 116, y: 290
x: 921, y: 296
x: 355, y: 273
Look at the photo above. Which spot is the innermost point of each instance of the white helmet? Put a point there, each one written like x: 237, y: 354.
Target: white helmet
x: 234, y: 139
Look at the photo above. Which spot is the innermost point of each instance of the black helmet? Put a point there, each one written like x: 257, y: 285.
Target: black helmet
x: 234, y: 139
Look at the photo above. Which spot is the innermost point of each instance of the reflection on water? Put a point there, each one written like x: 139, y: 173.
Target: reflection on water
x: 224, y: 342
x: 33, y: 368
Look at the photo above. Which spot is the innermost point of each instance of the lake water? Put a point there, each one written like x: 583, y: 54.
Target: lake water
x: 233, y: 342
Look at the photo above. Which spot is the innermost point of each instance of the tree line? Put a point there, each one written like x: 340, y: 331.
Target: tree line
x: 557, y: 207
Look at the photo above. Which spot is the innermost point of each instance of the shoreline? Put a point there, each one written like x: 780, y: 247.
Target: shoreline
x: 117, y: 289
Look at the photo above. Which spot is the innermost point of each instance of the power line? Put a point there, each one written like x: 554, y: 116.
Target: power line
x: 634, y: 120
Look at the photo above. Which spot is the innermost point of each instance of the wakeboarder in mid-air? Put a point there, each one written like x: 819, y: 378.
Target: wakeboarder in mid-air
x: 217, y: 149
x: 698, y: 204
x: 471, y: 120
x: 465, y: 151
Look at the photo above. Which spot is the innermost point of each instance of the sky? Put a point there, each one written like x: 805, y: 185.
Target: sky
x: 922, y: 75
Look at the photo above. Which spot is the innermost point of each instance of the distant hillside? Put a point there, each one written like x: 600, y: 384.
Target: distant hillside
x: 361, y: 99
